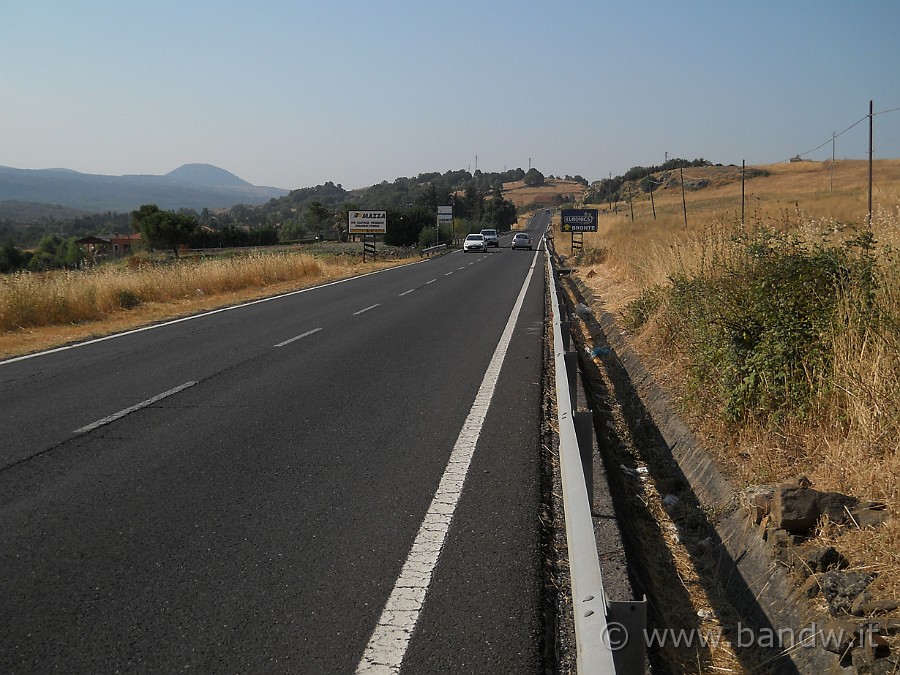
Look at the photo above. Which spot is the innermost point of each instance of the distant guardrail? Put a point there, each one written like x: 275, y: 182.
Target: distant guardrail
x: 602, y: 627
x: 431, y: 250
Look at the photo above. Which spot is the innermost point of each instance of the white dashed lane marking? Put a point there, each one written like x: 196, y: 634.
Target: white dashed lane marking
x: 143, y: 404
x: 298, y: 337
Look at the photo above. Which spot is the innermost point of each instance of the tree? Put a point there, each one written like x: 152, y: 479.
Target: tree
x: 163, y: 229
x: 318, y: 214
x: 472, y: 203
x: 11, y: 258
x: 533, y: 177
x: 499, y: 211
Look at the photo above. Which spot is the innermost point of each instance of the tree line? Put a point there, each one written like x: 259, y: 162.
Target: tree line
x: 307, y: 213
x: 610, y: 189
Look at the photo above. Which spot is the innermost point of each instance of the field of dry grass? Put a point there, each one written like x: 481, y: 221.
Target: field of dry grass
x: 522, y: 195
x: 38, y: 311
x: 850, y: 442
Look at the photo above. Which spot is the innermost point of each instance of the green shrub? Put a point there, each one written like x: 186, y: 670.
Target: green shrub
x: 757, y: 321
x: 638, y: 311
x: 128, y: 299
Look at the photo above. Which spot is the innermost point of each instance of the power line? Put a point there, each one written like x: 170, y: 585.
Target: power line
x: 836, y: 136
x: 831, y: 140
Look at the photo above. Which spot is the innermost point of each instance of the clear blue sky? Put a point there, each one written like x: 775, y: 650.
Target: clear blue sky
x: 292, y: 93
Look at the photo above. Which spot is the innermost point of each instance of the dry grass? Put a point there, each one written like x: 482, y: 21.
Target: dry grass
x: 38, y: 311
x: 852, y: 443
x: 522, y: 195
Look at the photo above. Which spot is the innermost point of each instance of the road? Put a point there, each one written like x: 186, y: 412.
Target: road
x: 254, y: 490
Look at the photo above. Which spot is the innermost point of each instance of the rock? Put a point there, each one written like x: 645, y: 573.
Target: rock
x: 863, y: 607
x: 870, y: 514
x: 670, y: 502
x: 842, y: 588
x: 839, y: 635
x: 873, y: 656
x: 810, y: 588
x: 795, y: 509
x: 779, y: 539
x: 822, y: 559
x: 887, y: 626
x: 859, y: 601
x: 836, y: 506
x: 628, y: 471
x: 759, y: 502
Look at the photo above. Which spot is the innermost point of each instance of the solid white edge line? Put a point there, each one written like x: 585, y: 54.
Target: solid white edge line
x: 362, y: 311
x: 298, y: 337
x: 201, y: 315
x: 126, y: 411
x: 387, y: 647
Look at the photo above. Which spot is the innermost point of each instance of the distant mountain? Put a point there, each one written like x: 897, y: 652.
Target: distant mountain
x: 192, y: 186
x: 208, y: 175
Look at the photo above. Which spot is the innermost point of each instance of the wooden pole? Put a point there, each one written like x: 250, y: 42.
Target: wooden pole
x: 832, y: 162
x: 743, y: 168
x: 683, y: 200
x: 871, y: 135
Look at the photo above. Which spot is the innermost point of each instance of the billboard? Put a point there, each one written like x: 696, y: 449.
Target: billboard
x: 445, y: 214
x: 579, y: 220
x: 367, y: 222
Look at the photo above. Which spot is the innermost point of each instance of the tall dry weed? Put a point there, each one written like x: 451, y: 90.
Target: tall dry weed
x: 29, y: 300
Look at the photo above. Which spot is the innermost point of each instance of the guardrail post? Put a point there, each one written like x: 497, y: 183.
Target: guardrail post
x: 571, y: 359
x: 630, y: 656
x: 584, y: 432
x: 563, y: 307
x: 566, y: 328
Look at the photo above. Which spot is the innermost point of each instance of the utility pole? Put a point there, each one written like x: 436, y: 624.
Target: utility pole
x: 832, y: 162
x: 743, y: 168
x: 871, y: 121
x: 609, y: 190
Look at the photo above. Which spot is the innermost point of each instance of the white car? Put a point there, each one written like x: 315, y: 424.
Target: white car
x: 521, y: 240
x: 475, y: 242
x: 491, y: 238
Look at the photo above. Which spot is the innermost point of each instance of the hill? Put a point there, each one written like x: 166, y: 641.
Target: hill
x: 208, y: 175
x: 553, y: 192
x: 193, y: 186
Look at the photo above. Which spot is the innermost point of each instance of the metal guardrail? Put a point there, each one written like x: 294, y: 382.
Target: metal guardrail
x: 434, y: 249
x: 609, y: 635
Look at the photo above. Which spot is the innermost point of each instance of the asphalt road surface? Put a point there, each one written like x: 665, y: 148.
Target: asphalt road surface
x: 339, y: 480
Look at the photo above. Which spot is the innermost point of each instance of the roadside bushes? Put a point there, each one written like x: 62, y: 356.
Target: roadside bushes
x: 758, y: 318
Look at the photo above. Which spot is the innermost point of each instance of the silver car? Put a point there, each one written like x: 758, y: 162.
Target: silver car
x: 491, y: 238
x: 521, y: 240
x: 475, y: 242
